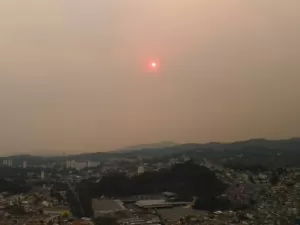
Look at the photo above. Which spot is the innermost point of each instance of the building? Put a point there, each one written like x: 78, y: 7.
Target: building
x: 159, y: 203
x: 82, y: 222
x: 82, y: 165
x: 104, y: 207
x: 148, y: 219
x: 42, y: 175
x: 30, y: 220
x: 79, y: 165
x: 93, y: 164
x: 24, y: 164
x: 57, y: 211
x: 71, y: 164
x: 7, y: 162
x: 173, y: 215
x: 141, y: 170
x: 170, y: 196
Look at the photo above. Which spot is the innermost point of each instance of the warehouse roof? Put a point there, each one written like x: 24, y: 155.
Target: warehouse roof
x: 158, y: 203
x: 107, y: 204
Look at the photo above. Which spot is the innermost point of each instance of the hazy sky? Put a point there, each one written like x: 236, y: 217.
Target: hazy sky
x: 74, y: 74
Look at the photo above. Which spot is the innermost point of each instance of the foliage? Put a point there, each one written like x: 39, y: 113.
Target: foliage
x: 187, y: 180
x: 74, y: 204
x: 14, y: 187
x: 105, y: 220
x: 212, y: 203
x: 16, y: 210
x: 274, y: 179
x: 255, y: 168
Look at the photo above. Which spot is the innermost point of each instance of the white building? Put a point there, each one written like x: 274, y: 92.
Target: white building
x: 71, y: 164
x: 93, y: 164
x: 104, y: 207
x: 79, y: 165
x: 141, y: 170
x: 7, y: 162
x: 42, y: 175
x: 82, y: 165
x: 24, y: 164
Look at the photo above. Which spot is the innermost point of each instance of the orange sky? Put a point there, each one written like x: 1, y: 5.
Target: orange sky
x: 74, y: 76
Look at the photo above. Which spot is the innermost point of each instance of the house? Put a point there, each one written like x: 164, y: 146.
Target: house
x: 106, y: 206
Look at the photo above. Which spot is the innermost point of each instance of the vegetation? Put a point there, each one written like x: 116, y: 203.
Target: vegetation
x: 271, y: 153
x: 105, y: 220
x: 14, y: 187
x: 274, y: 179
x: 75, y: 206
x: 187, y: 180
x: 255, y: 168
x: 212, y: 203
x: 16, y: 210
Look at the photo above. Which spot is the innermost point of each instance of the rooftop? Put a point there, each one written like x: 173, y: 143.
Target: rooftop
x: 158, y: 203
x: 81, y: 222
x: 57, y: 208
x: 107, y: 204
x: 175, y: 214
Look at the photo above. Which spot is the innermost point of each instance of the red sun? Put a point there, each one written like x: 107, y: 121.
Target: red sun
x: 153, y: 65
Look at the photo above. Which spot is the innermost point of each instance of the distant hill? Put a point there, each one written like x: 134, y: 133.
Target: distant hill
x: 288, y: 147
x: 163, y: 144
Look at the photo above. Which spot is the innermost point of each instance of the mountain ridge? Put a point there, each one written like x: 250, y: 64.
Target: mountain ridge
x: 291, y: 144
x: 162, y: 144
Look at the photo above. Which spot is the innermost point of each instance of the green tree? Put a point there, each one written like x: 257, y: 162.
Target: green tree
x: 105, y: 220
x: 274, y: 180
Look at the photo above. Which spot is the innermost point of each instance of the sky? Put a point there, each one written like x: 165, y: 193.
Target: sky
x: 75, y: 75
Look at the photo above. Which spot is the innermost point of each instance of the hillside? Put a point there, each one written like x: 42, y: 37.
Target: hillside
x: 187, y: 180
x: 163, y: 144
x: 263, y: 148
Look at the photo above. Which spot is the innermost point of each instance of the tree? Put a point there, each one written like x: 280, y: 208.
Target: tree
x: 186, y: 180
x: 105, y: 220
x: 274, y: 179
x: 251, y: 179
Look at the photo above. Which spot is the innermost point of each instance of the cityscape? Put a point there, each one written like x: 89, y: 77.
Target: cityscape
x: 193, y: 185
x: 149, y: 112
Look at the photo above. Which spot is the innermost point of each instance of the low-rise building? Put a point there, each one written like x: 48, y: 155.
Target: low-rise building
x: 159, y: 203
x: 106, y: 206
x: 58, y: 210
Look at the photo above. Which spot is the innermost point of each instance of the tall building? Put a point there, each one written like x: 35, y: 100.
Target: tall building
x: 42, y: 175
x: 82, y: 165
x: 141, y: 170
x: 79, y: 165
x: 93, y: 164
x: 24, y: 164
x: 71, y: 164
x: 68, y: 164
x: 7, y: 162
